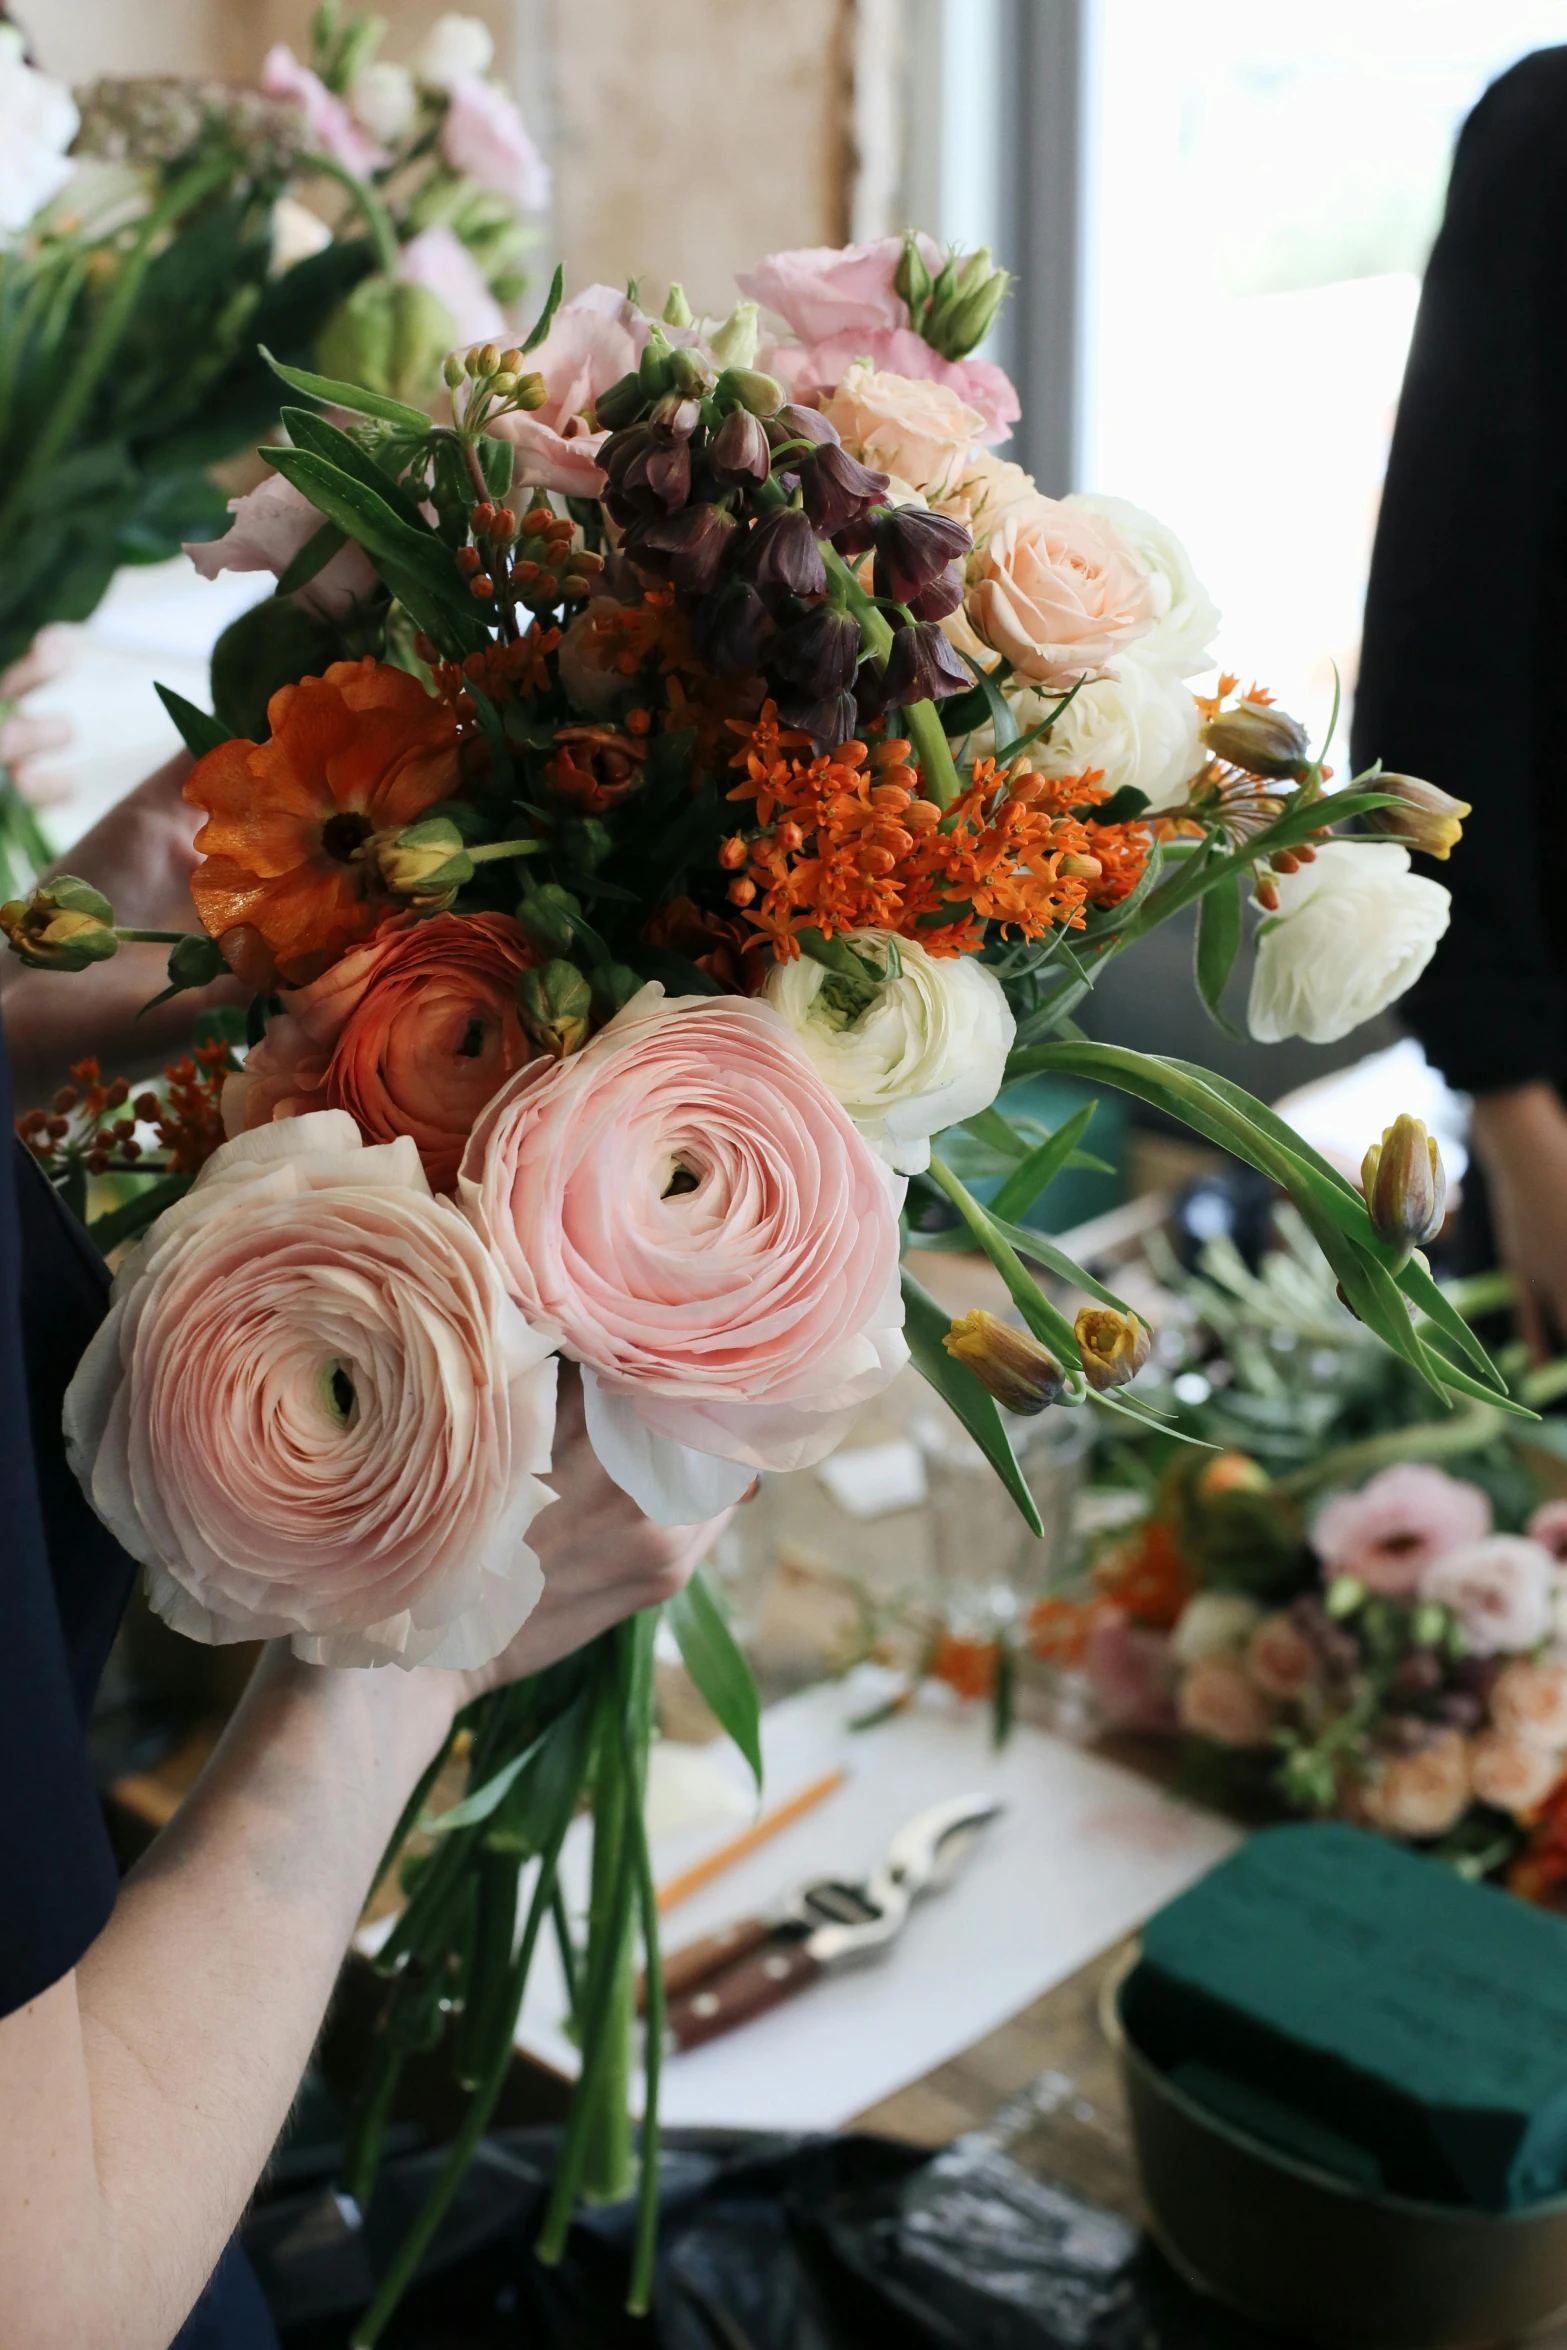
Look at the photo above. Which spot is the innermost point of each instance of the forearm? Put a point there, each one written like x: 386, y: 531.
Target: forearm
x: 198, y: 2006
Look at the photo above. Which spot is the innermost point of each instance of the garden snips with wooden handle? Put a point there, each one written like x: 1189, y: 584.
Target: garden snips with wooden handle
x: 741, y: 1972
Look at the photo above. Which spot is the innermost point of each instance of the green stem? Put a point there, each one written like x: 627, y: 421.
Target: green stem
x: 645, y: 2240
x: 152, y: 938
x: 377, y: 218
x: 937, y: 771
x: 1467, y: 1430
x: 607, y: 2161
x: 489, y: 850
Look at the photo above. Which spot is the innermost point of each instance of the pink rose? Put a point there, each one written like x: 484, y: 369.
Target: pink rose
x: 1529, y: 1702
x: 593, y: 341
x: 1421, y: 1794
x: 313, y: 1412
x: 1549, y: 1525
x: 1511, y: 1773
x: 438, y: 260
x: 484, y: 137
x: 1131, y: 1670
x: 410, y: 1033
x: 1058, y: 591
x: 813, y: 371
x: 1217, y: 1700
x: 825, y: 290
x: 328, y: 123
x: 270, y: 526
x: 1281, y: 1660
x: 1501, y: 1590
x: 909, y: 426
x: 690, y: 1214
x: 1388, y: 1533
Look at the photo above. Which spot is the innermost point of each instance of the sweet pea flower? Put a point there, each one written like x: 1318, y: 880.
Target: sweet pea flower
x: 594, y: 339
x: 1354, y: 929
x: 824, y: 290
x: 1388, y: 1533
x: 485, y: 138
x: 686, y: 1211
x: 38, y: 121
x: 270, y: 526
x: 1501, y: 1590
x: 438, y: 260
x: 313, y: 1413
x: 328, y: 123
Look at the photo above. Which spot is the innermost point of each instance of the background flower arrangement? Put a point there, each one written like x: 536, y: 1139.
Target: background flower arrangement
x: 640, y: 823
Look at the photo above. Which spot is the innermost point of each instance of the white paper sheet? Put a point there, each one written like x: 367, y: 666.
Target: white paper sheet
x: 1082, y: 1854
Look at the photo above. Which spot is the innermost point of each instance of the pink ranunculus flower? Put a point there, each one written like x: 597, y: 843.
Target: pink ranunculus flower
x: 1132, y: 1671
x: 812, y: 372
x: 1058, y: 592
x: 484, y: 137
x: 411, y: 1033
x: 1502, y: 1591
x: 270, y: 526
x: 438, y: 260
x: 1389, y: 1532
x: 593, y: 341
x: 1549, y: 1525
x: 328, y: 123
x: 314, y: 1413
x: 824, y: 290
x: 687, y: 1210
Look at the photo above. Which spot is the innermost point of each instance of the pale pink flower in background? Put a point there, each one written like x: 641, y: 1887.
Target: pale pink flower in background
x: 687, y: 1210
x: 1388, y: 1533
x: 1132, y: 1672
x: 1421, y: 1794
x: 484, y: 137
x: 313, y: 1413
x: 38, y: 121
x: 1281, y: 1660
x: 270, y: 526
x: 908, y: 426
x: 1502, y: 1591
x: 813, y: 371
x: 328, y: 122
x: 824, y: 290
x: 1511, y: 1773
x: 1218, y: 1700
x: 438, y: 260
x: 1549, y: 1525
x: 1529, y: 1701
x: 593, y: 341
x: 1058, y: 592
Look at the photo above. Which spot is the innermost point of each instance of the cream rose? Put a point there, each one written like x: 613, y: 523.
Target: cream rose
x: 1139, y: 727
x: 1510, y: 1773
x: 1353, y: 931
x: 926, y: 1050
x: 1424, y: 1793
x: 313, y: 1412
x: 910, y: 426
x: 1185, y: 615
x: 1057, y: 592
x: 986, y: 490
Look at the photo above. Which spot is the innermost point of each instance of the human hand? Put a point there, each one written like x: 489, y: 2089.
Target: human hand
x: 1521, y: 1139
x: 24, y: 738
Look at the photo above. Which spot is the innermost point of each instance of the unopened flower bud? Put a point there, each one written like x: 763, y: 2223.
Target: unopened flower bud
x: 621, y: 403
x: 1114, y: 1346
x: 555, y: 1005
x: 913, y: 548
x: 511, y: 361
x: 1405, y: 1184
x: 1426, y: 817
x: 781, y: 552
x: 453, y: 372
x: 1260, y: 739
x: 196, y: 961
x: 965, y: 306
x: 739, y: 451
x: 677, y: 310
x: 746, y: 387
x: 506, y: 383
x: 923, y: 665
x: 1012, y: 1365
x: 912, y: 279
x: 489, y: 359
x: 426, y: 864
x: 655, y: 368
x: 734, y: 344
x: 63, y: 926
x: 689, y: 371
x: 548, y: 915
x: 529, y: 391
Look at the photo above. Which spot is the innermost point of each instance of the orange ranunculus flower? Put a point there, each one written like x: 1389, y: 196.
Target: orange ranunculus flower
x: 360, y: 751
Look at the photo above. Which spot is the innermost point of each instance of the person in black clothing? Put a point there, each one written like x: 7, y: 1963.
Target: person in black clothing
x: 1463, y: 675
x: 152, y: 2034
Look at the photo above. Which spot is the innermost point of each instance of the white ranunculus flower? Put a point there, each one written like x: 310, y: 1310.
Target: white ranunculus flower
x: 1353, y: 931
x: 1215, y: 1623
x: 38, y: 121
x: 383, y: 100
x: 455, y: 49
x: 297, y: 234
x: 926, y: 1052
x: 1186, y: 615
x: 1138, y: 727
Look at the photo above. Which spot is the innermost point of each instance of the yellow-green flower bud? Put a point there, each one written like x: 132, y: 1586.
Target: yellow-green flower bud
x: 1260, y: 739
x: 1013, y: 1366
x: 735, y: 343
x: 620, y: 403
x: 389, y: 337
x: 555, y: 1005
x: 689, y: 371
x: 61, y: 926
x: 1426, y: 817
x: 677, y: 310
x: 453, y: 372
x: 1405, y: 1184
x: 548, y: 915
x: 655, y: 368
x: 967, y: 299
x: 912, y: 279
x: 748, y: 388
x: 425, y: 864
x: 1114, y: 1346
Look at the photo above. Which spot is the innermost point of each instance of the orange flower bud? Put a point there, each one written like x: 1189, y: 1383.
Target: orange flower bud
x: 1114, y: 1346
x: 733, y: 854
x: 1015, y: 1368
x: 482, y: 586
x: 741, y: 891
x: 468, y: 561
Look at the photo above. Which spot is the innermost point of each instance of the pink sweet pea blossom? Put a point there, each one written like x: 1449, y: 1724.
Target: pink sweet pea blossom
x: 1502, y: 1591
x: 824, y: 290
x: 438, y: 260
x: 689, y: 1213
x: 270, y: 526
x: 812, y: 372
x: 593, y: 341
x: 1388, y: 1533
x: 328, y: 123
x: 484, y: 137
x: 1549, y: 1525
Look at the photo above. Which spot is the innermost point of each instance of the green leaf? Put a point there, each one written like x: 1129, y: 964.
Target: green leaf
x: 718, y: 1668
x: 541, y: 325
x: 1034, y: 1248
x: 1003, y: 724
x: 484, y: 1800
x: 199, y: 730
x: 307, y: 431
x: 341, y: 395
x: 415, y: 565
x: 1039, y: 1169
x: 925, y: 1325
x: 1049, y: 1326
x: 132, y: 1218
x: 313, y: 556
x: 1218, y: 943
x: 990, y: 1126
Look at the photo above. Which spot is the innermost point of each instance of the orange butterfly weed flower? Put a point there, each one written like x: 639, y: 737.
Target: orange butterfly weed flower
x: 362, y: 751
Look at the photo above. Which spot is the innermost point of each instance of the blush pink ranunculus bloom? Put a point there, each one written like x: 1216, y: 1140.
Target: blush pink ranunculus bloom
x: 1058, y: 592
x: 812, y: 372
x: 593, y: 341
x: 270, y: 526
x: 688, y: 1211
x: 313, y: 1412
x: 411, y: 1033
x: 1549, y: 1525
x: 824, y: 290
x: 1389, y: 1532
x: 485, y: 138
x: 328, y: 123
x: 1502, y: 1590
x: 438, y: 260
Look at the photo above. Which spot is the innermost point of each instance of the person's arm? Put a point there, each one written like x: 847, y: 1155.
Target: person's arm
x: 143, y: 2093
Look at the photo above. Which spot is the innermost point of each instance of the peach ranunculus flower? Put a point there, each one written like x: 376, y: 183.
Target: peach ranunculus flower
x: 410, y: 1034
x: 593, y: 341
x: 1058, y: 592
x: 917, y: 430
x: 1421, y: 1794
x: 1513, y: 1774
x: 689, y: 1213
x: 313, y: 1412
x: 1529, y: 1702
x: 1217, y: 1699
x: 1388, y: 1533
x: 1281, y: 1660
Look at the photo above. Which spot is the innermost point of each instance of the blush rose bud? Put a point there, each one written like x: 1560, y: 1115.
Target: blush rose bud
x: 1426, y: 817
x: 1014, y: 1367
x: 425, y: 864
x: 555, y: 1006
x: 1405, y: 1185
x: 1114, y: 1346
x: 61, y: 927
x: 1260, y: 739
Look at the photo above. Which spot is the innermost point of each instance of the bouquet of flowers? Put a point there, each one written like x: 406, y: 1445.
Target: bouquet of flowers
x: 154, y: 237
x: 731, y: 775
